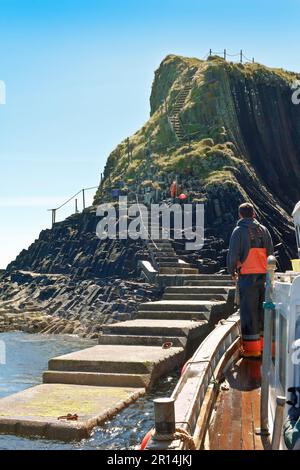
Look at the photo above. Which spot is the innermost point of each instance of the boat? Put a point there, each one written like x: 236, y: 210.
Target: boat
x: 224, y: 401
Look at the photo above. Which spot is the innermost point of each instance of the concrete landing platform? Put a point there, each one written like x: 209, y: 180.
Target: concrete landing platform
x: 35, y: 411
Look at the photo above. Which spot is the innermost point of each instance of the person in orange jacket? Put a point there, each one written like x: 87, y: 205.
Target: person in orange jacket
x: 249, y: 247
x: 173, y: 190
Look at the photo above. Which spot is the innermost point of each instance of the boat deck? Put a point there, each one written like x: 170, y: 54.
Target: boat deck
x: 237, y: 410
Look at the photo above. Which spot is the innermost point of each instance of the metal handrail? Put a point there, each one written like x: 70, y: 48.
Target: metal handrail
x: 54, y: 210
x: 267, y: 349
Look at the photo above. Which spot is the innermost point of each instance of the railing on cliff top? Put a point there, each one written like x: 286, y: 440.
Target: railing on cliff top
x: 225, y: 54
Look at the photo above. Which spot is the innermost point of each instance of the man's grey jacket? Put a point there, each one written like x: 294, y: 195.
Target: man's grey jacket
x: 240, y: 243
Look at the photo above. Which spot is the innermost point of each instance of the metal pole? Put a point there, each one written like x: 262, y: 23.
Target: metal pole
x: 267, y: 351
x: 76, y: 206
x: 164, y: 413
x: 210, y: 52
x: 224, y: 54
x: 278, y: 422
x: 83, y: 199
x: 241, y: 56
x: 53, y: 216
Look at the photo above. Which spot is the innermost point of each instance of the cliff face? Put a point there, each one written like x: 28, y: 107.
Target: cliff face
x: 227, y: 132
x: 72, y: 247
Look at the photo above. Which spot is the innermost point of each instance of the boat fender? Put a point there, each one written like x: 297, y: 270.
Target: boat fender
x: 146, y: 439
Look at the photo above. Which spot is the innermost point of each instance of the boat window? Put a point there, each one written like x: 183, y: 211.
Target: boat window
x: 282, y: 350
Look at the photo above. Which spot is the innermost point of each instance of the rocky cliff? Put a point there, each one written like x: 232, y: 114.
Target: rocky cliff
x: 228, y: 132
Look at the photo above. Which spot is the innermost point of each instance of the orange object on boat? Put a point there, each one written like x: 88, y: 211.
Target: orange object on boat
x: 256, y: 262
x: 146, y: 439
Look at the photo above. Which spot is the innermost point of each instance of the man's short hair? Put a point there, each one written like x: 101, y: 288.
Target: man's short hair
x: 246, y: 210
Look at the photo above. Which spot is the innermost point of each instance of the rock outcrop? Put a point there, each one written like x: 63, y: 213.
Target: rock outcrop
x: 59, y: 303
x: 238, y: 139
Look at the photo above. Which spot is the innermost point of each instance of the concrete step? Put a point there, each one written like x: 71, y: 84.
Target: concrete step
x: 158, y: 255
x: 178, y: 271
x: 177, y: 305
x: 162, y: 255
x: 177, y: 341
x: 175, y: 296
x: 198, y: 289
x: 166, y: 259
x: 213, y: 282
x: 121, y: 359
x: 163, y: 251
x: 158, y: 327
x: 170, y: 264
x: 96, y: 379
x: 161, y: 246
x: 210, y: 277
x: 164, y: 280
x: 171, y: 315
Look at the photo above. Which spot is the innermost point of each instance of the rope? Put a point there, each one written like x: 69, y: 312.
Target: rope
x: 179, y: 433
x: 247, y: 58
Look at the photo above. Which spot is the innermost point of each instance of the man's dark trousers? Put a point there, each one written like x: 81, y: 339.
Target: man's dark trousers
x: 252, y: 296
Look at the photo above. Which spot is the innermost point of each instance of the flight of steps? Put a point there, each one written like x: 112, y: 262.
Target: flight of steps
x: 165, y: 259
x: 174, y: 117
x: 208, y: 297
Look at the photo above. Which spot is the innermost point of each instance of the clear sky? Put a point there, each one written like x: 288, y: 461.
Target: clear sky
x: 78, y: 75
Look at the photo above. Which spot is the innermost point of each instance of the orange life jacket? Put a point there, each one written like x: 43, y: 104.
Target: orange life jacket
x: 256, y: 261
x: 173, y: 189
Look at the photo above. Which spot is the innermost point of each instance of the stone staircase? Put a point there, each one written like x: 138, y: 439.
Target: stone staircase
x: 165, y: 259
x: 131, y: 355
x: 174, y: 117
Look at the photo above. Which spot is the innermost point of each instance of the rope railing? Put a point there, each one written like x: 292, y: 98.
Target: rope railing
x: 82, y: 191
x: 226, y: 54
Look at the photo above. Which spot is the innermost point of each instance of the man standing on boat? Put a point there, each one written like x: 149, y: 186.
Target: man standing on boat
x: 249, y: 247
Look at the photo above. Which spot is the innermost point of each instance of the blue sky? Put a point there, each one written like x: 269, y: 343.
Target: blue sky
x: 78, y: 75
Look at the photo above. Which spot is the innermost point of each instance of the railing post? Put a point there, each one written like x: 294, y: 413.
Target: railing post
x: 83, y: 199
x: 53, y: 216
x: 267, y: 350
x: 278, y: 421
x: 164, y: 412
